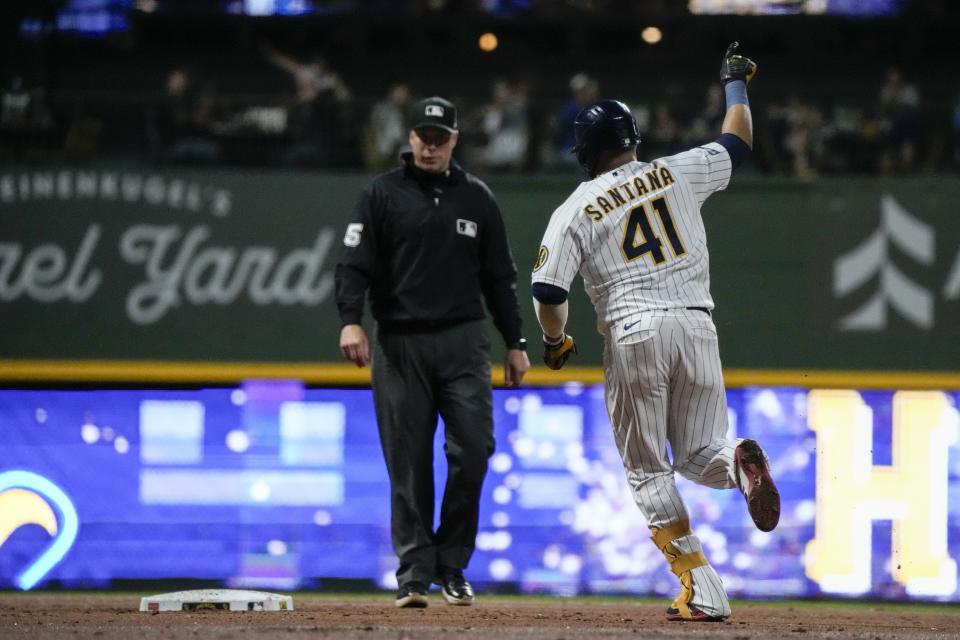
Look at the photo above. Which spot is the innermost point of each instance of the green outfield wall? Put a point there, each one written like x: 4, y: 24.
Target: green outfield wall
x: 130, y: 265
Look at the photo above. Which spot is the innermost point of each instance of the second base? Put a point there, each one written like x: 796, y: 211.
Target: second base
x: 216, y: 599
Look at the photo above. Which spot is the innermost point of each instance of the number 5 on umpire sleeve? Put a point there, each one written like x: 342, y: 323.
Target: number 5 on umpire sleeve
x: 639, y: 224
x: 352, y: 237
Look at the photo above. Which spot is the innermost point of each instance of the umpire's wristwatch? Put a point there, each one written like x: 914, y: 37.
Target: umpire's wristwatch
x: 520, y: 344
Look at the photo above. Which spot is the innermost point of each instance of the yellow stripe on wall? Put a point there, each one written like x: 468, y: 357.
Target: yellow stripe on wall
x: 178, y: 372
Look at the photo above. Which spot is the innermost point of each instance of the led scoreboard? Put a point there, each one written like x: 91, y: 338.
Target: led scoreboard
x: 275, y: 485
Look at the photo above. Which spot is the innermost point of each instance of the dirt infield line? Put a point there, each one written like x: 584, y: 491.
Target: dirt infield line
x: 111, y: 616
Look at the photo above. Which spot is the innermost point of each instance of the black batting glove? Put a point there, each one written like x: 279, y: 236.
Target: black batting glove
x: 735, y: 66
x: 555, y: 355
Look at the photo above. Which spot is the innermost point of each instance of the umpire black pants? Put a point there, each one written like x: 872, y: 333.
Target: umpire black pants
x: 416, y: 378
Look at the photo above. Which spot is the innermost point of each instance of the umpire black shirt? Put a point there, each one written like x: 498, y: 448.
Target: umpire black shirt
x: 429, y: 247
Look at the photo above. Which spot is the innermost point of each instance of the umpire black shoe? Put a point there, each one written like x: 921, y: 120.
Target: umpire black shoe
x: 455, y: 588
x: 412, y: 595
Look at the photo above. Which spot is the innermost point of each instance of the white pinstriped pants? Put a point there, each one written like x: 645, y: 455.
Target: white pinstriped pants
x: 664, y: 384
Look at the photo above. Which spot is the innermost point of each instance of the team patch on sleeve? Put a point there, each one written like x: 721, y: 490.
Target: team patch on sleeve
x: 541, y: 258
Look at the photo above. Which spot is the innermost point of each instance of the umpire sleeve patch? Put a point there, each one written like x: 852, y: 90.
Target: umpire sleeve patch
x: 467, y: 228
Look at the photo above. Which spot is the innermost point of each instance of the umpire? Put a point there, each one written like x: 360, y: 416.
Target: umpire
x: 428, y: 243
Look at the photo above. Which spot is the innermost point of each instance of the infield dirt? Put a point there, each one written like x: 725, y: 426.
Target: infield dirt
x: 108, y: 616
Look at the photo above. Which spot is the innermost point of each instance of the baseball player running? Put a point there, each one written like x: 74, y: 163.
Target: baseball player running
x: 635, y: 235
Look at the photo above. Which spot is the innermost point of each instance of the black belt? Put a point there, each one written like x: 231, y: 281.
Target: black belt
x: 704, y: 309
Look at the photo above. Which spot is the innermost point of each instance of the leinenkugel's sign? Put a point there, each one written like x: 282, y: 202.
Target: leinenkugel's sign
x: 131, y: 264
x: 128, y: 264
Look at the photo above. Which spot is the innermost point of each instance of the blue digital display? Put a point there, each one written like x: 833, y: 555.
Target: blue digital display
x: 274, y: 485
x: 864, y: 7
x: 85, y: 18
x: 273, y: 7
x: 847, y: 8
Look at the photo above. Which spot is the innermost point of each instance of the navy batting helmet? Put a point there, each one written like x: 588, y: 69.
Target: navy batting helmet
x: 604, y: 125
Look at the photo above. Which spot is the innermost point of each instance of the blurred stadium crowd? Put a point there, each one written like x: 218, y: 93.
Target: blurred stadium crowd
x: 278, y: 105
x: 321, y: 123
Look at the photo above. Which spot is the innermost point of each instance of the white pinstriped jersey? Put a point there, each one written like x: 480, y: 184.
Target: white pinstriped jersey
x: 636, y: 236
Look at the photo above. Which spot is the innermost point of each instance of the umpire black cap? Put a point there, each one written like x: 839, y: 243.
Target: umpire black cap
x: 434, y: 112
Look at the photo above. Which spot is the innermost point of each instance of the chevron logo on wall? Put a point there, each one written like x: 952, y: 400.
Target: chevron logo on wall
x: 901, y: 232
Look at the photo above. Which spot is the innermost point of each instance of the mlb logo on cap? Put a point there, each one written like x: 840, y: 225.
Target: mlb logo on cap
x: 434, y: 112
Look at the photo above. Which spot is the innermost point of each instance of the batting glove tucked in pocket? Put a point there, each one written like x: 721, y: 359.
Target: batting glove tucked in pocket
x: 555, y: 355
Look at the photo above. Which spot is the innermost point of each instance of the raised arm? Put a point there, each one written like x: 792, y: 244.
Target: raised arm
x: 281, y: 61
x: 735, y: 72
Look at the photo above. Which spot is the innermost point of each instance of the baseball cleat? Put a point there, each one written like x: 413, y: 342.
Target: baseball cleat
x: 412, y: 595
x: 455, y: 588
x: 753, y: 478
x: 674, y: 615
